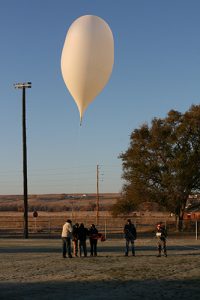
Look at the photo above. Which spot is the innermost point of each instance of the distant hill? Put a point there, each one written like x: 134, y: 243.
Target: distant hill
x: 58, y: 202
x: 78, y: 202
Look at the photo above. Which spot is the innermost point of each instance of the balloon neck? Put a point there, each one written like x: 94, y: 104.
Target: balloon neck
x: 80, y: 121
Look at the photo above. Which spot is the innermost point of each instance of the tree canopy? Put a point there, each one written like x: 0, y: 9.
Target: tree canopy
x: 162, y: 163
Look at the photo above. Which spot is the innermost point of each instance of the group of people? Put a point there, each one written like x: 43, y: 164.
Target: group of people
x: 79, y: 233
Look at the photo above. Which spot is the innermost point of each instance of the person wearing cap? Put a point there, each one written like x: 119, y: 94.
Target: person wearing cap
x: 82, y: 236
x: 66, y: 239
x: 130, y: 235
x: 93, y: 235
x: 161, y: 234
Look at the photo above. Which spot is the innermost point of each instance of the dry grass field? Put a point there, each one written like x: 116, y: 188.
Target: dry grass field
x: 55, y: 209
x: 58, y: 202
x: 35, y: 269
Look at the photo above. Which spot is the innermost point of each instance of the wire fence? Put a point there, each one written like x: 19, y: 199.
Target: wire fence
x: 51, y: 226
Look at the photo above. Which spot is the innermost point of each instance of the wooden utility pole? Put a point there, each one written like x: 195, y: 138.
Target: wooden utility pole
x: 23, y: 86
x: 97, y: 203
x: 25, y: 163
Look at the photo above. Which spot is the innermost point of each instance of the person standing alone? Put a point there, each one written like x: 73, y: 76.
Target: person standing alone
x: 161, y: 234
x: 66, y: 239
x: 130, y: 237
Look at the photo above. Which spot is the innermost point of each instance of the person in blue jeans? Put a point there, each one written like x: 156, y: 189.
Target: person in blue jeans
x: 66, y: 239
x: 82, y: 236
x: 130, y: 235
x: 93, y: 235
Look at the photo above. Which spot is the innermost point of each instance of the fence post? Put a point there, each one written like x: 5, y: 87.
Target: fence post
x: 105, y: 229
x: 196, y: 230
x: 165, y: 224
x: 35, y: 224
x: 49, y: 226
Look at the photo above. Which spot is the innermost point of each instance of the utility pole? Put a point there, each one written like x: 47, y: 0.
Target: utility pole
x: 97, y: 203
x: 23, y: 86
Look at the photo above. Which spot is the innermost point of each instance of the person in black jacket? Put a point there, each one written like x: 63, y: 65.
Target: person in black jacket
x: 93, y: 235
x: 82, y: 236
x: 130, y: 235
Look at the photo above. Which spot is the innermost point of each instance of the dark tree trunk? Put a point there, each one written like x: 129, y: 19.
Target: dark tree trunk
x: 180, y: 217
x: 179, y: 223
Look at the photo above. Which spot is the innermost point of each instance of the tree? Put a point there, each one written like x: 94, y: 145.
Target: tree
x: 162, y: 163
x: 124, y: 206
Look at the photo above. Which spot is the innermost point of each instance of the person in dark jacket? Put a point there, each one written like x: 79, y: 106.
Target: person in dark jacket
x: 130, y: 235
x: 93, y: 235
x: 161, y: 234
x: 82, y: 236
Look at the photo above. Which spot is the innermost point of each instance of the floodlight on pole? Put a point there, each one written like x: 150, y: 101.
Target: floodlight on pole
x: 23, y: 86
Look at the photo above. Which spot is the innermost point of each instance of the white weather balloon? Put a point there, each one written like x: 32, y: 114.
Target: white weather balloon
x: 87, y: 59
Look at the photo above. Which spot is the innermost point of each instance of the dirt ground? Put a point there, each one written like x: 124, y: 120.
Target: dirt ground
x: 35, y: 269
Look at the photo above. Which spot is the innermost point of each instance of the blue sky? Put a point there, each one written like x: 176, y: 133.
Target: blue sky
x: 157, y: 68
